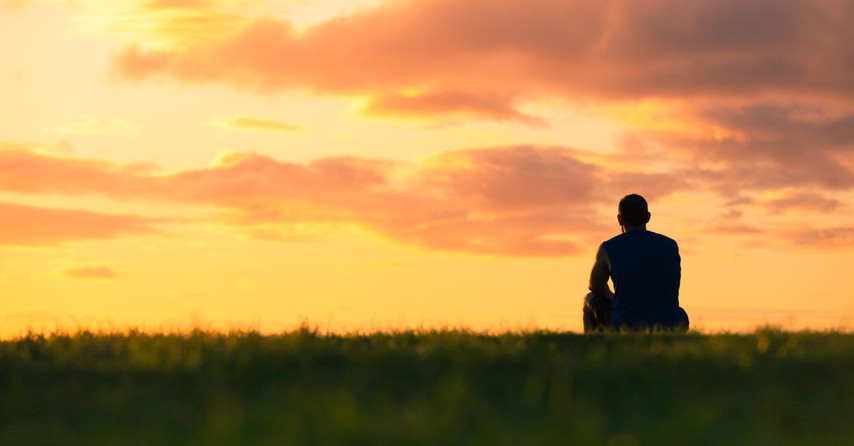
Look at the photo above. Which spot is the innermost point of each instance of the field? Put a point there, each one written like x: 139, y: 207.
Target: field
x: 446, y: 387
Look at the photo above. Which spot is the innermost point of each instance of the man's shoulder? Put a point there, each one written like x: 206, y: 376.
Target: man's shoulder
x: 659, y: 238
x: 610, y: 242
x: 662, y: 237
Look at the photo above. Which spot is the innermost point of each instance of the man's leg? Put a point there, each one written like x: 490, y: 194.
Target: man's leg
x: 596, y: 312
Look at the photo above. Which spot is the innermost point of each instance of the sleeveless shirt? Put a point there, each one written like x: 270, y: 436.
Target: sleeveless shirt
x: 646, y: 271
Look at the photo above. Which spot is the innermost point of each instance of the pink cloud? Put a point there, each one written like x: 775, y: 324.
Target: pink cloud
x: 495, y: 51
x: 26, y: 225
x: 765, y: 146
x: 772, y: 78
x: 519, y: 200
x: 25, y: 171
x: 501, y: 201
x: 512, y: 178
x: 547, y: 234
x: 509, y: 201
x: 803, y: 201
x: 451, y: 103
x: 838, y: 237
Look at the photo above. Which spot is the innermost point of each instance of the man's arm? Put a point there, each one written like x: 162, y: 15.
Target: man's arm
x: 600, y: 274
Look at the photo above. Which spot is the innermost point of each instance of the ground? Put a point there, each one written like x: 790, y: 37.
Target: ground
x: 440, y: 387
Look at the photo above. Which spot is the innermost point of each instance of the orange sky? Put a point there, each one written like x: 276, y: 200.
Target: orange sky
x: 168, y: 164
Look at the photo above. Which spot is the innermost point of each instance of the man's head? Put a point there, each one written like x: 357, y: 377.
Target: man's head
x: 633, y: 212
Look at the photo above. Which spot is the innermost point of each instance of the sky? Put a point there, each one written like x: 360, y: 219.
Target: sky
x: 375, y: 165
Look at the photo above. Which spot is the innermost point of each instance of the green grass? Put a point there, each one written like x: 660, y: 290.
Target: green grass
x: 428, y: 388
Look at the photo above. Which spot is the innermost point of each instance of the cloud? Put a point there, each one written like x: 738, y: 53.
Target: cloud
x: 157, y: 24
x: 90, y: 272
x: 27, y: 171
x: 22, y: 225
x: 442, y: 104
x: 511, y: 178
x: 803, y: 201
x: 507, y: 201
x: 496, y: 52
x: 14, y: 4
x: 547, y: 234
x: 832, y: 237
x: 516, y: 200
x: 504, y: 201
x: 753, y: 95
x: 259, y: 125
x: 762, y: 147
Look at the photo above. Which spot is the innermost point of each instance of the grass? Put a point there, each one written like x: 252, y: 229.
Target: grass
x: 427, y: 388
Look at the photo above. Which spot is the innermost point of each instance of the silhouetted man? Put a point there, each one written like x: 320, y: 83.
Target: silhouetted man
x: 646, y: 271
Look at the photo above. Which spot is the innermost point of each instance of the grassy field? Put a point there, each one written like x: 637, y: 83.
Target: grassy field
x: 428, y: 388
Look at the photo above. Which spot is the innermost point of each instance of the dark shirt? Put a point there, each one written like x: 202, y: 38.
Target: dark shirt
x: 646, y: 271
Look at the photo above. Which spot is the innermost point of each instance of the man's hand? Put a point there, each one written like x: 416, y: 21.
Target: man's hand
x: 600, y: 274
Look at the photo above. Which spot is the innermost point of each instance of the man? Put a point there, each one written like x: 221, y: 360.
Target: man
x: 646, y: 271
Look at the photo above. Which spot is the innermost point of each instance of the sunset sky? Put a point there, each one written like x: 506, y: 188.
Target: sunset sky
x: 170, y: 164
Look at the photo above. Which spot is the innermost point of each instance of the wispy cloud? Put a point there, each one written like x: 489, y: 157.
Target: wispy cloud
x: 839, y: 237
x: 90, y: 272
x: 22, y: 225
x: 157, y: 24
x: 28, y: 171
x: 803, y: 201
x: 14, y: 4
x: 438, y: 105
x: 92, y: 125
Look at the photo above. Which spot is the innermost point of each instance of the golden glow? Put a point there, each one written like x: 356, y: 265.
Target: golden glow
x: 185, y: 197
x: 90, y: 124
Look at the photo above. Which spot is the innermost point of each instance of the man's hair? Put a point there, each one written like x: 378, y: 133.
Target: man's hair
x: 634, y: 210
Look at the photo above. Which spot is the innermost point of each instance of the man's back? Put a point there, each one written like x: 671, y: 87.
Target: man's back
x: 645, y: 268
